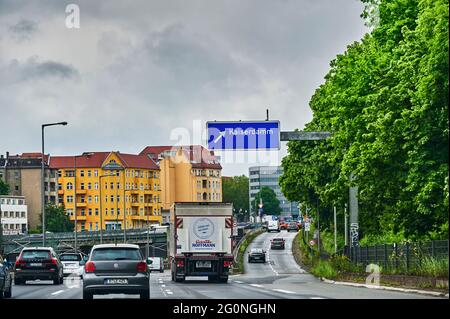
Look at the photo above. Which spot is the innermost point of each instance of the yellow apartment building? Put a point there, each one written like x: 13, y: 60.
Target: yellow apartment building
x: 188, y: 174
x: 109, y: 190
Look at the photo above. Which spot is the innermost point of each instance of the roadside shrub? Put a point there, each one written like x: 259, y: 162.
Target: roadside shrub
x: 324, y: 269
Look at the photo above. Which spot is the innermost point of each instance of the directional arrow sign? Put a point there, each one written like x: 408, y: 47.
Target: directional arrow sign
x: 263, y: 135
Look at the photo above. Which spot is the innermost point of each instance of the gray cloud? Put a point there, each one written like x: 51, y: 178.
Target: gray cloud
x: 33, y: 69
x: 23, y: 30
x: 136, y: 70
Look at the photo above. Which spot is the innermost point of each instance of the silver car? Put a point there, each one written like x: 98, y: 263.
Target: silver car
x: 116, y: 269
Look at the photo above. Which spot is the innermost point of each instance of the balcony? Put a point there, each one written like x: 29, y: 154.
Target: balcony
x: 79, y: 218
x: 81, y: 191
x: 113, y: 218
x: 82, y: 204
x: 135, y: 204
x: 138, y: 217
x: 61, y: 192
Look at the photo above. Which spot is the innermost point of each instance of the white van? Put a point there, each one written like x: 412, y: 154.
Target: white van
x: 273, y: 225
x: 157, y: 264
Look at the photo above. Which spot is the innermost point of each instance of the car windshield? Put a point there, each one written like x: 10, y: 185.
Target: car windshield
x: 35, y: 254
x: 278, y: 239
x: 105, y: 254
x: 74, y: 257
x: 257, y: 251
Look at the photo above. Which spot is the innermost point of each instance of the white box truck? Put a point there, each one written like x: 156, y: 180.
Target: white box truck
x: 200, y: 241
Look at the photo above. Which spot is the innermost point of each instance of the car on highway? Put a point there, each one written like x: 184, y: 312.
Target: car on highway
x: 157, y: 264
x: 5, y: 279
x: 116, y: 269
x: 38, y: 263
x: 257, y: 254
x: 72, y: 264
x: 273, y: 225
x: 277, y: 243
x: 292, y: 226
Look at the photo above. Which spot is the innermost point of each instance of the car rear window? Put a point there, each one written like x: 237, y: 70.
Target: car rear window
x: 278, y: 239
x: 105, y: 254
x: 70, y: 257
x: 35, y: 254
x: 258, y: 251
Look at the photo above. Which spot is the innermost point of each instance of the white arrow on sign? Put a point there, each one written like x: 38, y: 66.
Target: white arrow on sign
x: 221, y: 134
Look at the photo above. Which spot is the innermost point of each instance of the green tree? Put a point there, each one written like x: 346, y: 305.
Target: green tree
x: 56, y: 219
x: 4, y: 188
x: 269, y: 200
x: 236, y: 190
x: 386, y: 102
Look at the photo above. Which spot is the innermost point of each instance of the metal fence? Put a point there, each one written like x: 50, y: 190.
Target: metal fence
x: 407, y: 256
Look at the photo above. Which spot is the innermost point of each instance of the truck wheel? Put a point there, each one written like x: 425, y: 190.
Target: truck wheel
x: 223, y: 279
x: 179, y: 279
x: 145, y: 295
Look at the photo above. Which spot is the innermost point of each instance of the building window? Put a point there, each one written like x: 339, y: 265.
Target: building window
x: 90, y: 211
x: 112, y: 198
x: 83, y: 212
x: 82, y: 173
x: 96, y: 226
x: 96, y: 212
x: 96, y: 186
x: 118, y: 211
x: 82, y: 227
x: 69, y: 199
x: 69, y: 212
x: 106, y: 211
x: 82, y: 186
x: 106, y: 198
x: 69, y: 186
x: 89, y: 173
x: 90, y: 226
x: 118, y: 198
x: 59, y: 173
x: 112, y: 185
x: 96, y: 199
x: 89, y: 199
x: 142, y: 199
x: 89, y: 185
x: 96, y: 173
x: 112, y: 211
x: 59, y: 186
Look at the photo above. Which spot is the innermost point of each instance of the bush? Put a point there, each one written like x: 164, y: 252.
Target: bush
x: 324, y: 269
x: 433, y: 267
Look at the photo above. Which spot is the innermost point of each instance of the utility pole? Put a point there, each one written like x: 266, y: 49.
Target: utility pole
x: 345, y: 225
x: 335, y: 231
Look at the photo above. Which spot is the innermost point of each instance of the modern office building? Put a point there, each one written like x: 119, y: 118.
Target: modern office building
x: 14, y: 215
x: 261, y: 176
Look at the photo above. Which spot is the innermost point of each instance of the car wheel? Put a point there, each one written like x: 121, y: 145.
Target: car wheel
x: 213, y: 278
x: 8, y: 293
x: 87, y: 295
x: 18, y: 282
x: 161, y: 271
x: 145, y: 295
x: 57, y: 281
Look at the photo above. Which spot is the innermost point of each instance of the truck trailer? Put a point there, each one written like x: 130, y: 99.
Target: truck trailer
x: 201, y: 240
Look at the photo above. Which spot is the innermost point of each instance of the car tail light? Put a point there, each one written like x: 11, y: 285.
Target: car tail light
x: 20, y: 263
x: 141, y: 267
x: 89, y: 267
x: 227, y: 263
x: 54, y: 261
x: 180, y: 263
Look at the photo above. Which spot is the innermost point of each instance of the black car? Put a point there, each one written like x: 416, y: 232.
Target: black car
x: 256, y: 254
x: 5, y: 279
x: 292, y: 226
x: 38, y: 263
x: 277, y: 243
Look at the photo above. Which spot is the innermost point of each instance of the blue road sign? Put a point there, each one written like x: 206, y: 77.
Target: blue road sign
x: 263, y: 135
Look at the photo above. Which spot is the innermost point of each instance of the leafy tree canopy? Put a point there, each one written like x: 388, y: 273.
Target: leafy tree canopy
x: 386, y: 102
x: 269, y: 200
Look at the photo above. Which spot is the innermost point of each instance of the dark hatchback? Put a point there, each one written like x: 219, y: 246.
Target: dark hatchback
x: 5, y: 279
x: 257, y: 254
x: 116, y: 269
x: 293, y: 226
x: 277, y: 243
x: 38, y: 263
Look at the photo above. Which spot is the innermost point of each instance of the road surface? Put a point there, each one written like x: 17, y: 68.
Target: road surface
x: 279, y: 278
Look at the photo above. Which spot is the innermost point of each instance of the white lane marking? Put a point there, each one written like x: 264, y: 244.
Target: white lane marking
x: 316, y: 298
x: 238, y: 281
x: 256, y: 285
x: 169, y: 292
x: 57, y: 292
x: 284, y: 291
x: 163, y: 286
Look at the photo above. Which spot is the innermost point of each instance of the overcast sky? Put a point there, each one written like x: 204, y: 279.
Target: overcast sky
x: 136, y: 70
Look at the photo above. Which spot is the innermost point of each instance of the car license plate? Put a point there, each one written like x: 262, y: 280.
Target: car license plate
x: 35, y: 264
x: 116, y: 281
x: 203, y: 264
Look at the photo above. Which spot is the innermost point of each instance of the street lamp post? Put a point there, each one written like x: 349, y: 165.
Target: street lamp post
x: 42, y: 176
